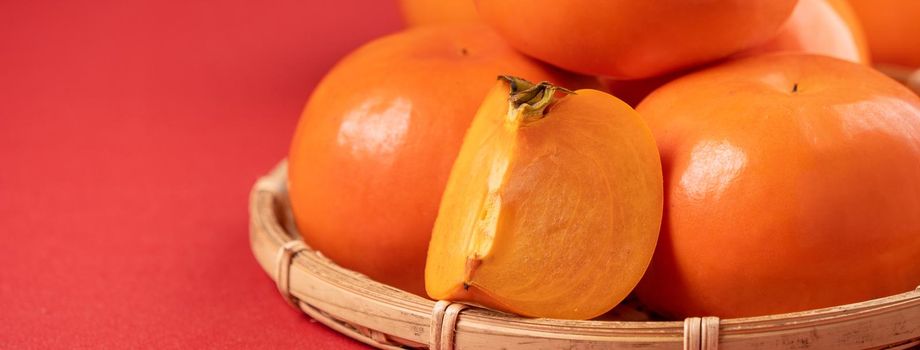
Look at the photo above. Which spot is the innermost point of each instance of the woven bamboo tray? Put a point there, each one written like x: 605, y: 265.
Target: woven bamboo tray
x: 388, y: 318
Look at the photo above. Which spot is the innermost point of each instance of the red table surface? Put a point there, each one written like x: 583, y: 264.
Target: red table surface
x: 130, y: 134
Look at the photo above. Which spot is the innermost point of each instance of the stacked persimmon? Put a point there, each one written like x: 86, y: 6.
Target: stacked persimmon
x: 766, y: 167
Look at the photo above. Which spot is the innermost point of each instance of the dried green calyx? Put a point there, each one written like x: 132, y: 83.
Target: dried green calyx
x: 531, y: 99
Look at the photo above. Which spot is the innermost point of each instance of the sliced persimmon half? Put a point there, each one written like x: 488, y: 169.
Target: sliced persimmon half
x: 553, y: 206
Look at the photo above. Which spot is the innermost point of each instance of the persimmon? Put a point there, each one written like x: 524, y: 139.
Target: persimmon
x: 553, y: 206
x: 629, y: 39
x: 792, y: 182
x: 892, y: 28
x: 824, y: 27
x: 376, y: 141
x: 428, y: 12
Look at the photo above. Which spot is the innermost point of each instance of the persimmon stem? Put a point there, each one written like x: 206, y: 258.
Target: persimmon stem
x: 531, y: 99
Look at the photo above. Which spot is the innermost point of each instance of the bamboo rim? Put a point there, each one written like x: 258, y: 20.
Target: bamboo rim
x: 388, y: 318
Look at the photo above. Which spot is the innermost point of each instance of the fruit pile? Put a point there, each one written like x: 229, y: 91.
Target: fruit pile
x: 758, y: 165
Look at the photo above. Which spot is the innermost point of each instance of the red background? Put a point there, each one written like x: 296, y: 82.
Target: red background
x: 130, y: 134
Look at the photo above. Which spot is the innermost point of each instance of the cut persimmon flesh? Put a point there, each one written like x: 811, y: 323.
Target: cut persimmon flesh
x: 553, y: 206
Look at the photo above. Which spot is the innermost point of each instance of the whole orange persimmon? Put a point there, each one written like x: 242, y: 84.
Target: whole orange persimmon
x: 792, y: 182
x: 630, y: 39
x: 892, y: 28
x: 377, y: 139
x: 823, y: 27
x: 427, y: 12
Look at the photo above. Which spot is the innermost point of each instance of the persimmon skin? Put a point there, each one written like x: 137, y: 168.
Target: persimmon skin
x: 892, y: 28
x: 428, y: 12
x: 553, y: 217
x: 791, y: 183
x: 376, y: 141
x: 821, y: 27
x: 628, y: 39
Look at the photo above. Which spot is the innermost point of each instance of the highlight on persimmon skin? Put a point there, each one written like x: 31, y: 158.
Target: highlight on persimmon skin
x: 821, y: 27
x: 376, y: 141
x: 553, y: 206
x: 791, y: 184
x: 632, y: 39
